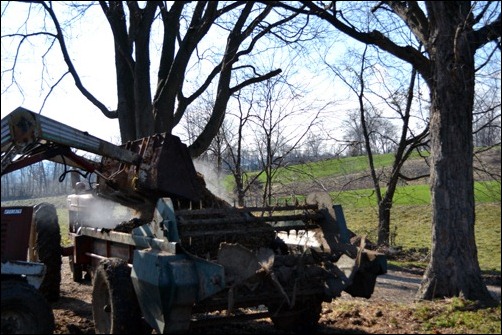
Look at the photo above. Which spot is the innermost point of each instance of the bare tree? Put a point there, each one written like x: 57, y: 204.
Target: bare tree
x: 314, y: 145
x: 487, y: 126
x: 7, y: 186
x: 235, y: 138
x: 451, y: 33
x: 37, y: 180
x: 369, y: 133
x: 197, y: 116
x: 280, y: 125
x: 234, y: 30
x: 381, y: 133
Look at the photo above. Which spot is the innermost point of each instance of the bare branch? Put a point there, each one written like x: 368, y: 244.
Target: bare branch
x: 52, y: 88
x: 71, y: 67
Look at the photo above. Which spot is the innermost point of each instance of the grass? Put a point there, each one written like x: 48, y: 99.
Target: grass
x: 411, y: 229
x: 411, y: 218
x: 63, y: 217
x: 330, y: 167
x: 459, y: 315
x: 412, y: 195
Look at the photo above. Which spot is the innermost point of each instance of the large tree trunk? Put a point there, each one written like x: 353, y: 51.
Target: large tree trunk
x: 124, y: 69
x: 453, y: 269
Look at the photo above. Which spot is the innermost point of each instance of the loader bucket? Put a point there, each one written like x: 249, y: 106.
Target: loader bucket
x: 166, y: 170
x: 177, y: 176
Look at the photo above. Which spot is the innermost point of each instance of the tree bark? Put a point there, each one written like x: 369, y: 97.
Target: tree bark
x: 453, y: 269
x: 124, y: 69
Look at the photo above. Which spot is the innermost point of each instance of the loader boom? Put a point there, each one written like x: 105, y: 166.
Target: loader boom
x: 128, y: 174
x: 23, y: 132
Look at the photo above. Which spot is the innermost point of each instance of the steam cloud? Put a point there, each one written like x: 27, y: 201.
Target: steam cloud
x: 213, y: 182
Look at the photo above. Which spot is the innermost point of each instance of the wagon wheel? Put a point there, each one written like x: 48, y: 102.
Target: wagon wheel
x: 115, y: 307
x: 48, y: 249
x: 25, y: 310
x: 302, y: 318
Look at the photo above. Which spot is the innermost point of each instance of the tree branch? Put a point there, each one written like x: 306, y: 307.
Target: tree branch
x: 71, y: 67
x: 255, y: 80
x: 486, y: 34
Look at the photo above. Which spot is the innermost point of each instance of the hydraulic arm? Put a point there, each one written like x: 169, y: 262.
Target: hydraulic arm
x: 128, y: 174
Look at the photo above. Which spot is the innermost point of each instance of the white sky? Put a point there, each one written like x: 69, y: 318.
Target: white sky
x: 92, y: 53
x: 91, y: 49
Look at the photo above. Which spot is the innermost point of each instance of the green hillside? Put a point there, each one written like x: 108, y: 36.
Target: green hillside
x: 411, y: 213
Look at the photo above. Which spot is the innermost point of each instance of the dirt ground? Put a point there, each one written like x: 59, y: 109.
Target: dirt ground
x: 376, y: 315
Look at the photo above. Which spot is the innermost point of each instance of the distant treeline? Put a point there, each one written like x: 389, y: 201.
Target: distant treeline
x: 37, y: 180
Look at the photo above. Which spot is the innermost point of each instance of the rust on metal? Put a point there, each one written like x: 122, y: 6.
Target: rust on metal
x: 166, y: 170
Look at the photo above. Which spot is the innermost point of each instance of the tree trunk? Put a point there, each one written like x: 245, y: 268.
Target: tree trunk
x: 453, y: 269
x: 384, y: 208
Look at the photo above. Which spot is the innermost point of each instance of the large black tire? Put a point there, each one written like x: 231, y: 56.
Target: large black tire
x: 302, y: 318
x: 48, y: 249
x: 25, y: 310
x: 115, y: 307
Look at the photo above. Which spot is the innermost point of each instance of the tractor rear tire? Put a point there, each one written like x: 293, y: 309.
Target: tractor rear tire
x: 115, y: 307
x: 48, y: 249
x: 25, y: 310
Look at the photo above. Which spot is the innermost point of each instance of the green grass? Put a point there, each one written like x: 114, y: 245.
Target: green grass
x: 63, y: 218
x: 411, y: 228
x: 411, y: 218
x: 330, y: 167
x: 458, y: 315
x: 412, y: 195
